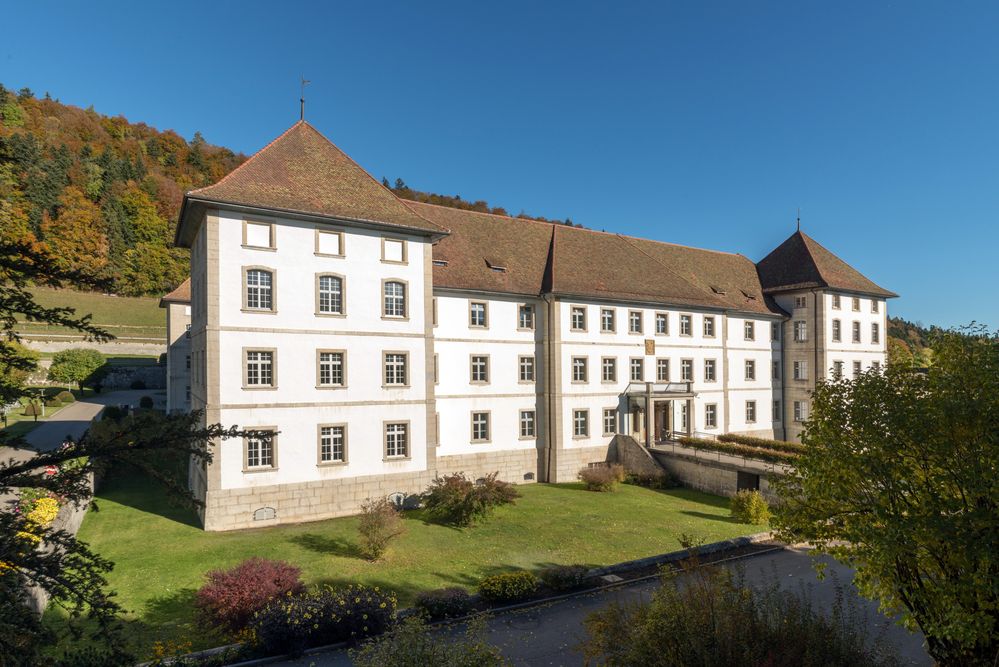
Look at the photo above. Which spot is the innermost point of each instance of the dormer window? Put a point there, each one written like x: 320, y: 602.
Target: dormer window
x: 717, y: 290
x: 440, y: 262
x: 496, y: 266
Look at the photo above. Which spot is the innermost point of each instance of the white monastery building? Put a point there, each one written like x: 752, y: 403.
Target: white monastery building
x: 384, y: 341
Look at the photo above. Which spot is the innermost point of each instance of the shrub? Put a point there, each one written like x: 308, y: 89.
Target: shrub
x: 602, y: 477
x: 413, y: 643
x: 736, y: 449
x: 749, y: 506
x: 229, y: 598
x: 379, y: 523
x: 32, y: 409
x: 444, y: 603
x: 53, y: 403
x: 113, y: 412
x: 764, y: 443
x: 65, y: 396
x: 659, y: 480
x: 146, y: 402
x: 563, y: 577
x: 508, y: 587
x: 293, y: 623
x: 137, y: 384
x: 457, y: 500
x: 75, y: 365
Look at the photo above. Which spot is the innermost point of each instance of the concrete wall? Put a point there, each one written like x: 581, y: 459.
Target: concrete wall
x: 719, y: 478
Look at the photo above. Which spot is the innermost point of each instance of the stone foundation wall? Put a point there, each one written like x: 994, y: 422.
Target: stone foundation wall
x: 569, y: 461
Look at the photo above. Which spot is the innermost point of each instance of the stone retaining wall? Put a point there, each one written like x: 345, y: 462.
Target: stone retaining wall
x: 717, y: 477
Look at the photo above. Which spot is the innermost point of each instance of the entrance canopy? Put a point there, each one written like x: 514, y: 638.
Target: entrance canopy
x: 639, y: 393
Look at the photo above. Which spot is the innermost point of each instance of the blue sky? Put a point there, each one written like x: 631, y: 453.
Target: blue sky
x: 703, y: 123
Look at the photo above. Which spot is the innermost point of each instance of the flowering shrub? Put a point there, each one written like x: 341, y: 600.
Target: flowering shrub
x: 749, y: 506
x: 457, y: 500
x: 229, y: 598
x: 444, y: 602
x: 43, y: 513
x: 563, y: 577
x: 602, y: 478
x: 292, y: 623
x: 509, y: 586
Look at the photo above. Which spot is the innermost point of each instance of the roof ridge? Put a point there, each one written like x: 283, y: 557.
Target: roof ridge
x: 555, y: 223
x: 251, y: 158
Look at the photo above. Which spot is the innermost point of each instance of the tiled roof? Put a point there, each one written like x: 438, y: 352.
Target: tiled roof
x: 488, y: 252
x: 182, y: 294
x: 801, y: 262
x: 302, y: 171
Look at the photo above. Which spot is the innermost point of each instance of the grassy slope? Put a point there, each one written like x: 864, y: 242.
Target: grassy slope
x: 161, y: 555
x: 123, y: 316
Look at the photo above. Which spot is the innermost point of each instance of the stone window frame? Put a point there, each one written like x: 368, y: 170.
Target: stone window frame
x: 274, y: 369
x: 520, y: 367
x: 406, y: 367
x: 837, y: 369
x: 343, y: 294
x: 274, y: 450
x: 405, y: 300
x: 751, y: 404
x: 858, y: 368
x: 631, y: 369
x: 437, y: 377
x: 659, y: 364
x: 603, y: 378
x: 856, y: 334
x: 471, y: 368
x: 749, y: 330
x: 800, y: 411
x: 334, y: 232
x: 714, y: 370
x: 712, y: 410
x: 800, y: 370
x: 749, y: 368
x: 613, y: 320
x: 603, y: 421
x: 687, y: 318
x: 572, y: 318
x: 875, y: 306
x: 776, y: 412
x: 343, y: 368
x: 705, y: 320
x: 405, y: 250
x: 775, y: 332
x: 855, y: 306
x: 875, y: 333
x: 665, y: 318
x: 534, y: 424
x: 775, y: 371
x: 520, y: 308
x: 585, y: 366
x: 245, y: 288
x: 319, y: 445
x: 272, y: 234
x: 687, y: 364
x: 586, y: 423
x: 800, y: 326
x: 641, y: 322
x: 409, y: 440
x: 837, y: 331
x: 485, y: 314
x: 836, y: 305
x: 471, y: 425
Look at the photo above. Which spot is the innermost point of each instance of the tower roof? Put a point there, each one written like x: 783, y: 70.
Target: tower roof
x: 801, y: 262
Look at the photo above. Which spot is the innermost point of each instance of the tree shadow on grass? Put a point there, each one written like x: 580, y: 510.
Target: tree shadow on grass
x: 332, y: 546
x: 711, y: 517
x: 175, y: 616
x: 427, y: 519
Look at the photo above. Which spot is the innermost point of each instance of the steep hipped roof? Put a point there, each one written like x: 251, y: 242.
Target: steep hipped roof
x: 304, y: 172
x: 800, y: 262
x: 488, y: 252
x: 182, y: 294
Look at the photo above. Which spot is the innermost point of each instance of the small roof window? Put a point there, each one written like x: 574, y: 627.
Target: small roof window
x: 440, y: 262
x: 717, y: 290
x: 496, y: 265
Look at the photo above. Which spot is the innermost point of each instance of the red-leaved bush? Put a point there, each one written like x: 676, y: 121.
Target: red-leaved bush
x: 229, y: 598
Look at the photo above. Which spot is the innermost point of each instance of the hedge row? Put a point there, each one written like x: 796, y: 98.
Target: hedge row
x: 764, y: 443
x: 770, y: 455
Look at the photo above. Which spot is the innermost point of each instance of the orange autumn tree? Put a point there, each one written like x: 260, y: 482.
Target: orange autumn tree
x: 75, y: 236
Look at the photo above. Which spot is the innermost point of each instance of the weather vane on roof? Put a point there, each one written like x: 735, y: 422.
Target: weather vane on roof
x: 799, y: 218
x: 301, y: 100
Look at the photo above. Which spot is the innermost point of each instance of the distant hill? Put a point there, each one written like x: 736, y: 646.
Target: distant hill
x: 910, y: 341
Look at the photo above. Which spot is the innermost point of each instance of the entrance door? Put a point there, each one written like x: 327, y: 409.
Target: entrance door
x: 662, y: 420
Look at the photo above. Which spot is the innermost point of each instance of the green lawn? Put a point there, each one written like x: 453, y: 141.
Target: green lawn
x: 161, y: 555
x: 19, y: 424
x: 123, y: 316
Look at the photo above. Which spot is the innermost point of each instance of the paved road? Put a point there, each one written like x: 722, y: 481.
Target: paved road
x: 549, y: 635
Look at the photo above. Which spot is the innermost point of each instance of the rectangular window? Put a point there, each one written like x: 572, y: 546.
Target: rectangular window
x: 580, y: 423
x: 685, y: 325
x: 259, y: 368
x: 635, y: 321
x: 480, y: 427
x: 260, y: 451
x: 436, y: 369
x: 684, y: 415
x: 608, y: 370
x: 709, y: 370
x: 395, y: 299
x: 578, y: 318
x: 395, y: 369
x: 800, y: 411
x: 526, y: 369
x: 856, y: 370
x: 476, y: 314
x: 259, y: 289
x: 579, y: 371
x: 527, y: 424
x: 709, y: 327
x: 874, y: 306
x: 875, y: 366
x: 837, y: 334
x: 607, y: 324
x: 777, y: 415
x: 480, y: 369
x: 875, y: 332
x: 687, y: 370
x: 856, y: 332
x: 396, y: 440
x: 775, y: 331
x: 856, y: 304
x: 662, y: 370
x: 187, y: 393
x: 637, y: 370
x: 800, y: 370
x: 800, y: 302
x: 257, y: 234
x: 525, y: 317
x: 750, y: 412
x: 662, y: 324
x: 331, y: 369
x: 835, y: 301
x: 710, y: 415
x: 188, y: 362
x: 800, y: 331
x: 330, y: 299
x: 187, y: 331
x: 329, y: 243
x: 749, y: 330
x: 332, y: 444
x: 837, y: 369
x: 750, y: 370
x: 393, y: 250
x: 610, y: 421
x: 776, y: 370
